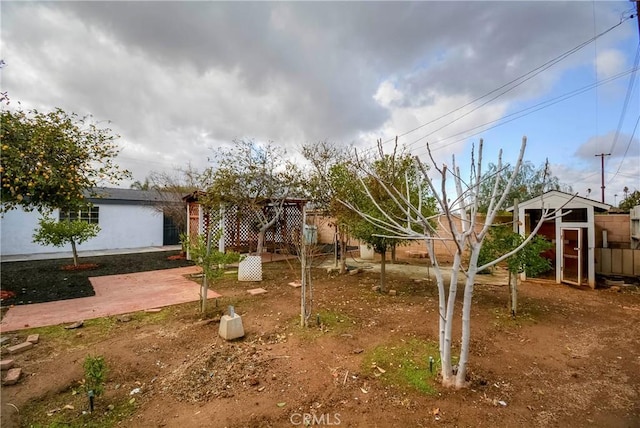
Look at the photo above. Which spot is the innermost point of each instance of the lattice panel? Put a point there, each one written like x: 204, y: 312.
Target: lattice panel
x: 241, y: 229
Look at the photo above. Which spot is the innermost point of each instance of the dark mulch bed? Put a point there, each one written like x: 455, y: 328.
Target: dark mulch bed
x: 47, y: 280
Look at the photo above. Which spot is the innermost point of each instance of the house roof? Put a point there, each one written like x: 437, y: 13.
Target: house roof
x: 556, y: 199
x: 114, y: 195
x: 193, y: 197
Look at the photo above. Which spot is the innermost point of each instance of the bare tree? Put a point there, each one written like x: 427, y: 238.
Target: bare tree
x: 306, y: 250
x: 171, y: 187
x: 466, y: 234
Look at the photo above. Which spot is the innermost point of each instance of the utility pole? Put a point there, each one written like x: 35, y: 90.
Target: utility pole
x: 602, y: 155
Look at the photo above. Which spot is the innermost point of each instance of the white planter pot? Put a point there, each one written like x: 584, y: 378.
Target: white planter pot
x: 366, y: 252
x: 250, y: 269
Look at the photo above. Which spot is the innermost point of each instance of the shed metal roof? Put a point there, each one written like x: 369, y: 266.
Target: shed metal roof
x: 556, y: 199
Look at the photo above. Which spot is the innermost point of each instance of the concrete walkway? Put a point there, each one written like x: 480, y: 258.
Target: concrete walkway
x: 115, y: 294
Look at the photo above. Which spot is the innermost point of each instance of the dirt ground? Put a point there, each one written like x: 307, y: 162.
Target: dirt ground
x: 570, y: 359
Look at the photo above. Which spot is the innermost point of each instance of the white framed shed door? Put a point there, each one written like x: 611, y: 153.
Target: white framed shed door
x: 571, y: 269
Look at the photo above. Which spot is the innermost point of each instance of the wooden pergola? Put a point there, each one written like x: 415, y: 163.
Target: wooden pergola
x: 239, y: 226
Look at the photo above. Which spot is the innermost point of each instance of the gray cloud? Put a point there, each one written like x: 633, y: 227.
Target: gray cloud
x: 625, y: 146
x: 176, y: 78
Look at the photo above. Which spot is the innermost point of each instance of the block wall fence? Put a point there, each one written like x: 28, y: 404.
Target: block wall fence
x: 444, y: 248
x: 618, y: 258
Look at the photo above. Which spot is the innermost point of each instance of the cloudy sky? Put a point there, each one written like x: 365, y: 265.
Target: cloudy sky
x: 177, y: 79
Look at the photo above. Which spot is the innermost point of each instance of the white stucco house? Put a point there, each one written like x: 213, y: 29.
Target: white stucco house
x: 128, y: 219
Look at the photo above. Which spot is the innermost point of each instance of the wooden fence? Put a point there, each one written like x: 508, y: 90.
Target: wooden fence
x: 617, y: 261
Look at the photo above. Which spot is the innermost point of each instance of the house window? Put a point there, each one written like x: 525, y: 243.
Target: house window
x: 90, y: 215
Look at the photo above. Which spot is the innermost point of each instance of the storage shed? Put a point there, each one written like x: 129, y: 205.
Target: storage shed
x: 573, y: 234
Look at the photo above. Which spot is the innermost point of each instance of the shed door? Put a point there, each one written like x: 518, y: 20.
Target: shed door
x: 571, y: 270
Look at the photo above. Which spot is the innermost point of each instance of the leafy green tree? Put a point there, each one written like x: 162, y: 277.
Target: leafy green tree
x: 210, y: 260
x: 631, y: 200
x: 373, y: 200
x: 502, y: 239
x: 529, y: 183
x: 50, y: 160
x: 528, y: 259
x: 324, y: 180
x: 60, y: 233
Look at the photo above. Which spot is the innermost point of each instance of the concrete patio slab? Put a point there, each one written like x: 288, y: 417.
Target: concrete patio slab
x: 115, y: 294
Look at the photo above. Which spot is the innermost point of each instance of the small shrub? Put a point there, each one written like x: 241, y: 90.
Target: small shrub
x: 529, y: 259
x: 95, y: 374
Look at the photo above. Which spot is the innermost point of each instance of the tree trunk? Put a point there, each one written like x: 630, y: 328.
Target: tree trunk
x: 336, y: 246
x: 393, y: 254
x: 203, y: 293
x: 383, y: 276
x: 261, y: 234
x: 74, y: 251
x: 441, y: 300
x: 513, y: 291
x: 343, y: 255
x: 513, y: 277
x: 309, y: 298
x: 303, y: 274
x: 303, y: 293
x: 205, y: 281
x: 448, y: 378
x: 461, y: 376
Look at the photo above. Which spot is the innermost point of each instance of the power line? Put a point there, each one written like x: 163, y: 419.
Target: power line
x: 635, y: 128
x: 595, y: 66
x: 626, y: 101
x: 633, y: 176
x: 526, y: 76
x: 529, y: 110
